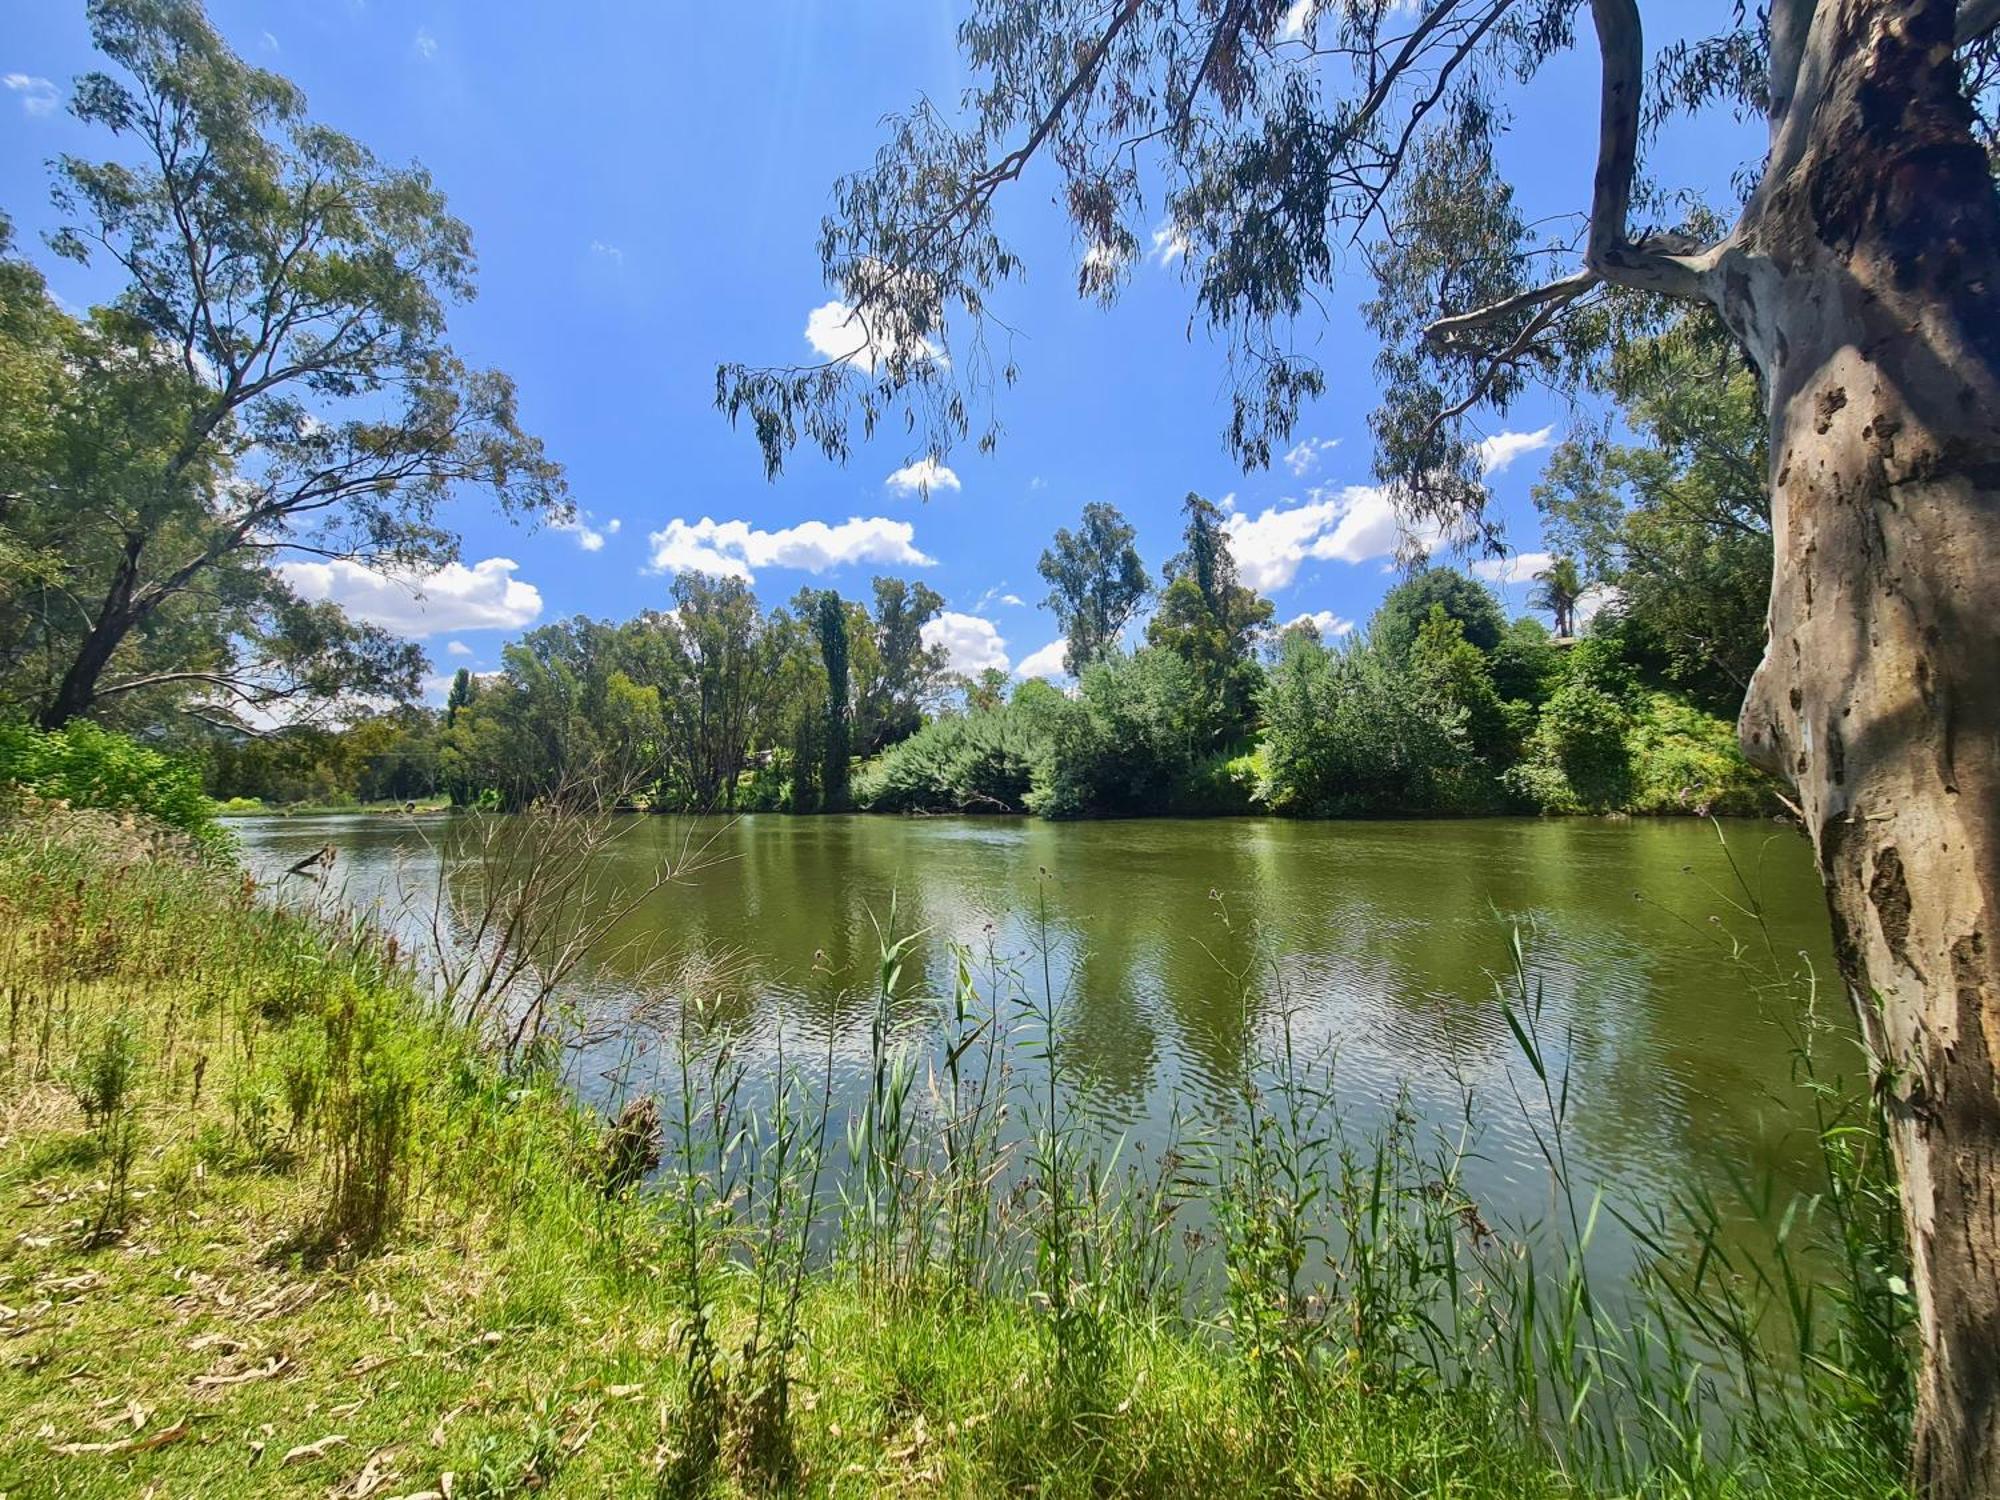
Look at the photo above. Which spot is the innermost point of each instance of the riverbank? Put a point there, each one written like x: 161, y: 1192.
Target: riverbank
x: 281, y: 1227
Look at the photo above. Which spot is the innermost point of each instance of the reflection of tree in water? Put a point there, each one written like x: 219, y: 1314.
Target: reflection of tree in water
x: 1385, y: 940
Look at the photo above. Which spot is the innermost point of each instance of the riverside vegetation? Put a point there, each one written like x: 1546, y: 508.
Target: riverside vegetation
x: 296, y: 1215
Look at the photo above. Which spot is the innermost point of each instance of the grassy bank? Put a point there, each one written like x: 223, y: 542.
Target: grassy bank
x: 280, y: 1221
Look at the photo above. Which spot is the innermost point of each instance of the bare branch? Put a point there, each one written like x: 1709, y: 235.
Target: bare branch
x: 1574, y: 285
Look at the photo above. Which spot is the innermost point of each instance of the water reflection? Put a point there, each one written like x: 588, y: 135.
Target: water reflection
x: 1378, y: 942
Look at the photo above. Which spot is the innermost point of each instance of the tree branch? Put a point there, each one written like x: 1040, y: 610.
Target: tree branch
x: 1975, y: 19
x: 1567, y: 289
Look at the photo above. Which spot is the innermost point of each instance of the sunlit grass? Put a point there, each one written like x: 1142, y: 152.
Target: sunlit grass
x: 274, y: 1225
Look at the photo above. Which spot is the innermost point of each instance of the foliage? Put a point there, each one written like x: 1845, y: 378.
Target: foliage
x: 1127, y: 744
x: 1348, y: 732
x: 1686, y: 760
x: 89, y: 767
x: 1577, y: 759
x: 982, y: 761
x: 1678, y: 526
x: 272, y: 378
x: 1208, y: 618
x: 1096, y: 581
x: 1408, y: 605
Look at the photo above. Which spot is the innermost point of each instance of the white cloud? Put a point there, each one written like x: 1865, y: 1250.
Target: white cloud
x: 1500, y: 450
x: 1169, y: 244
x: 836, y: 332
x: 1325, y: 621
x: 1306, y: 453
x: 1293, y: 27
x: 1519, y: 567
x: 425, y: 44
x: 736, y: 548
x: 458, y: 648
x: 1014, y: 599
x: 921, y: 477
x: 271, y: 43
x: 1047, y: 662
x: 589, y: 537
x: 485, y: 596
x: 971, y: 644
x: 1598, y: 596
x: 38, y: 95
x: 1352, y: 525
x: 608, y: 252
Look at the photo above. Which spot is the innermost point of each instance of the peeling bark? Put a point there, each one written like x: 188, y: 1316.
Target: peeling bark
x: 1866, y: 281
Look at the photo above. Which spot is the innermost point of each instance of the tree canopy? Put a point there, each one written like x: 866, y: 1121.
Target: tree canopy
x: 271, y: 382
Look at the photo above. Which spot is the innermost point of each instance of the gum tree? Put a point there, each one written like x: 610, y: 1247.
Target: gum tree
x: 284, y: 292
x: 1860, y: 277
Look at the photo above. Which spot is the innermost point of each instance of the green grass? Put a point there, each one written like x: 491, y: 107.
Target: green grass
x: 348, y: 1248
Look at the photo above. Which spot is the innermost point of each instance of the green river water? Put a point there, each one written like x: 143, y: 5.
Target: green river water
x: 1653, y: 947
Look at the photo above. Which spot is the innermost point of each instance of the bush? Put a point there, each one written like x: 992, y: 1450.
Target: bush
x: 1128, y: 745
x: 977, y: 762
x: 90, y: 767
x: 1349, y: 733
x: 1577, y: 760
x: 1687, y: 760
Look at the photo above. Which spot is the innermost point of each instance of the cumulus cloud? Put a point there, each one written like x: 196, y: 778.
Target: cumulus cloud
x: 458, y: 648
x: 485, y: 596
x: 1293, y: 27
x: 1519, y: 567
x: 589, y: 537
x: 971, y: 644
x: 38, y: 95
x: 1306, y: 453
x: 921, y: 477
x: 836, y: 332
x: 1325, y: 621
x: 1047, y: 662
x: 1169, y: 244
x: 1501, y: 449
x: 736, y: 548
x: 1352, y: 525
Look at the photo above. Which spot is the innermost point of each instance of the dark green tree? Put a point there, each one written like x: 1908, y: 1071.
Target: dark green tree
x: 1408, y: 605
x: 1210, y: 619
x: 830, y: 627
x: 1096, y: 584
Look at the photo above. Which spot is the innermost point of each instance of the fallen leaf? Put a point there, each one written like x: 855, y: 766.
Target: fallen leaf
x: 305, y: 1452
x: 622, y: 1392
x: 143, y: 1444
x: 272, y: 1366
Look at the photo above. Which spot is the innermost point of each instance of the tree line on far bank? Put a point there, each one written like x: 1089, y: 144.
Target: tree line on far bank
x: 1440, y: 706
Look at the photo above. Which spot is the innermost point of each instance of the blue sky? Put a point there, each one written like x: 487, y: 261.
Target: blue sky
x: 644, y: 184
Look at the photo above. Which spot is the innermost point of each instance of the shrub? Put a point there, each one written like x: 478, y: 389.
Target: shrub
x: 1128, y: 744
x: 1577, y: 760
x: 1350, y: 733
x: 91, y: 767
x: 977, y: 762
x: 1686, y: 760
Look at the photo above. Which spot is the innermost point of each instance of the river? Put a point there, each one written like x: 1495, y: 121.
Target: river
x: 1656, y: 952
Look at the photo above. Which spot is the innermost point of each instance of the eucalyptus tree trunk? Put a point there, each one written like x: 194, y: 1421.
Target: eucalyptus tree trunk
x: 1865, y: 279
